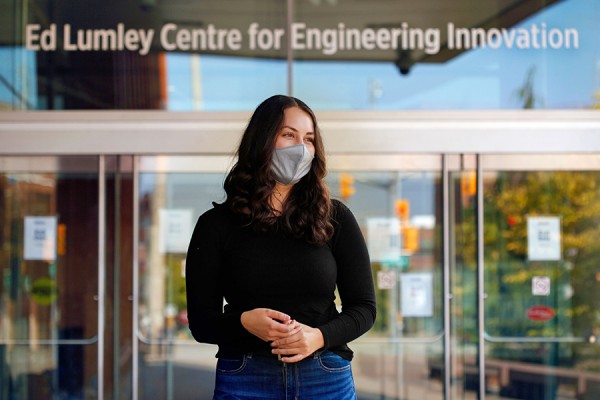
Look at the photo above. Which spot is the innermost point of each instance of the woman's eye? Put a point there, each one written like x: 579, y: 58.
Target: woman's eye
x: 309, y: 139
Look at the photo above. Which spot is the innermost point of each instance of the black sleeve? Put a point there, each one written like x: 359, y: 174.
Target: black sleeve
x: 204, y: 286
x: 354, y: 282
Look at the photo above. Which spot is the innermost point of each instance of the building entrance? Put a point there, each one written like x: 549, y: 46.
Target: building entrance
x: 484, y: 263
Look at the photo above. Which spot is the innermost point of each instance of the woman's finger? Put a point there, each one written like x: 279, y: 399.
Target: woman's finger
x: 278, y: 315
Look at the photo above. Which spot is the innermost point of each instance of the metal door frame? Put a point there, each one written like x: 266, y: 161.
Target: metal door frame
x: 344, y: 132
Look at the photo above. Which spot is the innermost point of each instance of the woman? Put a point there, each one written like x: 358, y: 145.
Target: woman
x: 275, y: 251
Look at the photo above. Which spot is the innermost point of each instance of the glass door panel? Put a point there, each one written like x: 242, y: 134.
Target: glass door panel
x: 541, y: 255
x: 397, y: 201
x: 172, y: 193
x: 399, y: 209
x: 49, y: 270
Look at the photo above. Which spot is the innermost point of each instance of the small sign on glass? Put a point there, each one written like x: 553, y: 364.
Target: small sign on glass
x: 543, y: 239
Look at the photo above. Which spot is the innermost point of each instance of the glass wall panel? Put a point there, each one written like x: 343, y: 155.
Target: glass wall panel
x: 49, y: 271
x: 216, y: 83
x: 247, y: 67
x: 141, y: 55
x: 229, y: 55
x: 18, y: 82
x: 468, y: 55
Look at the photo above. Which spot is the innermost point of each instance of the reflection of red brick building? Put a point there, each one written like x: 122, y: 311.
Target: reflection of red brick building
x: 73, y: 316
x: 24, y: 195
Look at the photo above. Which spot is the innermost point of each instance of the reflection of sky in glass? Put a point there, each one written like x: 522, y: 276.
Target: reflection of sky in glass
x: 480, y: 78
x: 477, y: 79
x: 224, y: 83
x: 18, y: 88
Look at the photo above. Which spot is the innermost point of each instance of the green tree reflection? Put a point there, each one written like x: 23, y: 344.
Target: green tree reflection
x: 574, y: 197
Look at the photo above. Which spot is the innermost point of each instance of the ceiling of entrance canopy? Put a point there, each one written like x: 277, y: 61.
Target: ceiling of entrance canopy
x: 334, y: 15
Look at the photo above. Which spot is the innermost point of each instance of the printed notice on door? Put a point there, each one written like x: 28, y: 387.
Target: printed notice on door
x: 40, y: 238
x: 175, y: 230
x: 416, y: 294
x: 543, y: 238
x: 383, y: 239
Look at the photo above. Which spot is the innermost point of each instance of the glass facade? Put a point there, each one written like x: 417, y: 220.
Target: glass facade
x: 484, y: 259
x: 229, y: 55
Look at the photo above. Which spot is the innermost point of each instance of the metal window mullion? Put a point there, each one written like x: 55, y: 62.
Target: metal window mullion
x: 101, y: 270
x: 116, y: 333
x: 135, y: 319
x: 289, y: 52
x: 446, y: 263
x: 480, y: 280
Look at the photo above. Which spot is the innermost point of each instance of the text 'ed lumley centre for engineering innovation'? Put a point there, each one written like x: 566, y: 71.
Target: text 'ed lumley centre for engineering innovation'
x: 328, y: 41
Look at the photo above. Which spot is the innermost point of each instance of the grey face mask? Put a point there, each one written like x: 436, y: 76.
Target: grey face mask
x: 290, y: 164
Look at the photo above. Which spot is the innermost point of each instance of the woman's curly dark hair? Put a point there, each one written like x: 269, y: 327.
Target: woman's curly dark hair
x: 307, y: 210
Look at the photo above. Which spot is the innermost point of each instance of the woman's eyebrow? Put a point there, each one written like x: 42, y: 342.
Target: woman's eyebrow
x: 296, y: 130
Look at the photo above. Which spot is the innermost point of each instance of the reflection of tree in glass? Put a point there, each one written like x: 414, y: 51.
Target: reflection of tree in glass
x: 382, y: 323
x: 575, y: 198
x: 525, y: 93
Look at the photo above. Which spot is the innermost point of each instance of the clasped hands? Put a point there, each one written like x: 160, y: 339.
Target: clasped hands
x: 289, y: 338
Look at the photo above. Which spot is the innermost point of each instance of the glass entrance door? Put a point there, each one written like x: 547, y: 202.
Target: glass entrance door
x: 171, y: 192
x: 49, y: 288
x: 398, y: 202
x: 540, y: 277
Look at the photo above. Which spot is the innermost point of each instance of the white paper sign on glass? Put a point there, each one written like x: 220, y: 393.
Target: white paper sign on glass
x: 540, y: 285
x: 40, y: 238
x: 383, y: 239
x: 386, y: 279
x: 416, y: 294
x: 543, y: 238
x: 175, y: 230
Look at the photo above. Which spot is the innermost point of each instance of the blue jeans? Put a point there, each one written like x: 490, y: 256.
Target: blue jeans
x: 321, y: 376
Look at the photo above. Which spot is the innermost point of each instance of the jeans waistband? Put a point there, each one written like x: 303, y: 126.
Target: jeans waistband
x: 278, y: 356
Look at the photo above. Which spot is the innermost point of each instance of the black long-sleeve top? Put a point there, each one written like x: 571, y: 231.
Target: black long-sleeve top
x: 227, y: 260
